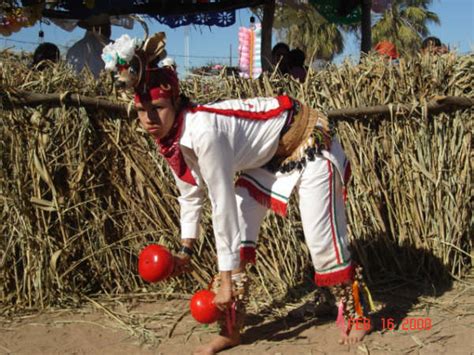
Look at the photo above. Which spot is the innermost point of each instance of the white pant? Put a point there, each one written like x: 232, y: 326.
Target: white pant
x: 323, y: 217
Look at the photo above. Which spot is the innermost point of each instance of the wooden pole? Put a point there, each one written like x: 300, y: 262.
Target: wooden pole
x: 18, y: 99
x: 21, y: 99
x: 267, y: 26
x: 366, y: 27
x: 437, y: 105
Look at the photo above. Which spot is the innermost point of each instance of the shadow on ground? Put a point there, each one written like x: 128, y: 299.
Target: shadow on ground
x: 396, y: 287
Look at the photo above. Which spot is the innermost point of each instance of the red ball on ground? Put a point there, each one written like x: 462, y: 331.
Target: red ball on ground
x: 155, y: 263
x: 203, y: 308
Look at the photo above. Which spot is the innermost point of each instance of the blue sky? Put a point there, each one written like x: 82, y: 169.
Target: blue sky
x: 214, y: 44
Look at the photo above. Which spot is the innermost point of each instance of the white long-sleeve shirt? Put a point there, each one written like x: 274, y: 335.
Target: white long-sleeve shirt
x: 215, y: 147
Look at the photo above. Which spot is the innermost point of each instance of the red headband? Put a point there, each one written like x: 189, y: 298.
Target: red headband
x: 152, y: 95
x: 163, y: 83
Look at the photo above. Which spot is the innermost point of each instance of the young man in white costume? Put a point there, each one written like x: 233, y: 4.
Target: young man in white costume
x: 279, y: 146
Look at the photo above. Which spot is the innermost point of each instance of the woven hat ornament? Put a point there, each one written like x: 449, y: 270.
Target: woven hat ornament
x: 132, y: 59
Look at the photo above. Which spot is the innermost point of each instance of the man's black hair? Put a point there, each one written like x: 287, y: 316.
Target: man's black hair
x: 46, y: 51
x: 296, y: 57
x: 431, y: 41
x: 279, y: 46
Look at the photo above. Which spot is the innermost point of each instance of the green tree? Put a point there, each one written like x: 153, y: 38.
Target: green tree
x: 306, y: 29
x: 302, y: 27
x: 405, y: 24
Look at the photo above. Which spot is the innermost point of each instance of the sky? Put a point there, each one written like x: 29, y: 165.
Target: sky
x: 217, y: 44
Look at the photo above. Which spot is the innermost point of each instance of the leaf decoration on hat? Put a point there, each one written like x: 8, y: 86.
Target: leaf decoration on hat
x: 154, y: 48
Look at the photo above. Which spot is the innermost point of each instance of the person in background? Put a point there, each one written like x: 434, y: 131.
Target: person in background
x: 296, y: 59
x: 387, y: 49
x: 433, y: 45
x: 87, y: 51
x: 45, y: 54
x: 280, y: 54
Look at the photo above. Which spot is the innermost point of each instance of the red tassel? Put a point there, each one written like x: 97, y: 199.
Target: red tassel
x: 230, y: 318
x: 355, y: 294
x: 347, y: 173
x: 347, y: 176
x: 340, y: 321
x: 248, y: 254
x: 344, y: 194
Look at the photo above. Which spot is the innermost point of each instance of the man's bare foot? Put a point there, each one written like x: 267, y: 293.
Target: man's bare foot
x: 359, y: 329
x: 217, y: 344
x: 354, y: 336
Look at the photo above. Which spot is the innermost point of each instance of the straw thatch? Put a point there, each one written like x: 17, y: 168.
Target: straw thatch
x: 83, y: 190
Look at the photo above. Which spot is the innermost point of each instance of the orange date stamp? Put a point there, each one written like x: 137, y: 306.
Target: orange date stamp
x: 406, y: 324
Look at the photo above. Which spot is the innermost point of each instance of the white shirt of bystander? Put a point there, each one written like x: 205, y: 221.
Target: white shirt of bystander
x: 87, y: 52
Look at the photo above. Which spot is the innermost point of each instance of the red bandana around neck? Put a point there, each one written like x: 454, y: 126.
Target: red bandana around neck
x: 171, y: 151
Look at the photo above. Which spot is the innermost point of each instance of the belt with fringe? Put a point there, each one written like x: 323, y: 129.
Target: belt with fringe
x: 305, y: 135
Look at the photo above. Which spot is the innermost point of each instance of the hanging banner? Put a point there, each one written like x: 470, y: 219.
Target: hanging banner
x: 220, y: 19
x: 250, y: 42
x: 338, y: 11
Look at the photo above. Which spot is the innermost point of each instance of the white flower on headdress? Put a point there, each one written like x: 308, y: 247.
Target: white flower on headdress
x: 119, y: 52
x: 109, y: 56
x: 125, y: 47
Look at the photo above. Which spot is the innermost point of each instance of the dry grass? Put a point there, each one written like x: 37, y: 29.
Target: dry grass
x: 82, y: 192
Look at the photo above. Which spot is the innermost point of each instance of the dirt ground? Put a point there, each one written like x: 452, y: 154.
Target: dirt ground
x: 122, y: 326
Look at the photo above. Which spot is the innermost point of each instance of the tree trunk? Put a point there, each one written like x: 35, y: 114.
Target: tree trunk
x: 267, y: 26
x: 366, y: 27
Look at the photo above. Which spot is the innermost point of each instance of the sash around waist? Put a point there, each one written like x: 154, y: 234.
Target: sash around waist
x: 308, y: 134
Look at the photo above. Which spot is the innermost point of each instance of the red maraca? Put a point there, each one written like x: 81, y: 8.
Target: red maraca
x: 203, y: 308
x: 155, y: 263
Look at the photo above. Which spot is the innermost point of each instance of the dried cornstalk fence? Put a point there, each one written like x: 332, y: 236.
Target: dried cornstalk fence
x: 83, y: 190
